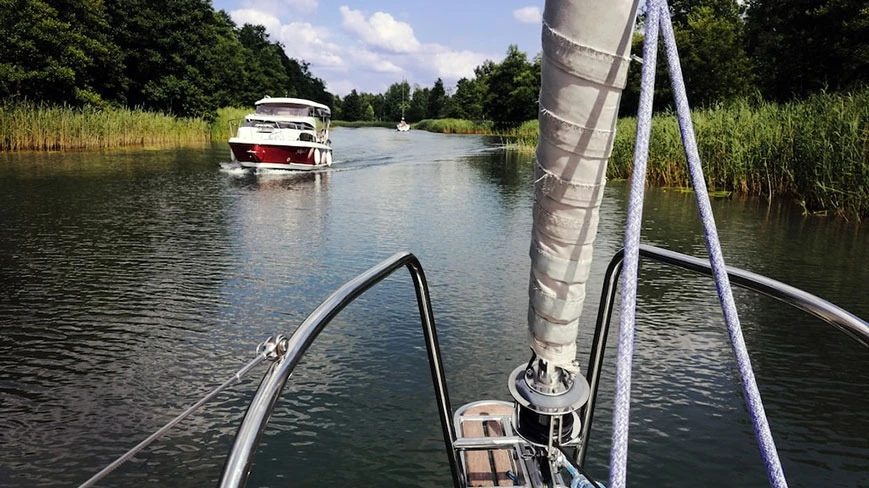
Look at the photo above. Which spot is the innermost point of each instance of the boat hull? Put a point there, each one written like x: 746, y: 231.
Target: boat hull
x: 296, y: 157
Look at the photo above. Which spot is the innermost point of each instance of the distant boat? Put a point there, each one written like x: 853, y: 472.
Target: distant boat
x: 402, y: 126
x: 284, y: 133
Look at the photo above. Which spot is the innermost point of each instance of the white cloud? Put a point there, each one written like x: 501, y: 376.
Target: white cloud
x: 373, y: 53
x: 528, y: 15
x: 380, y: 30
x: 342, y: 87
x: 453, y: 65
x: 307, y: 42
x: 366, y: 60
x: 256, y: 17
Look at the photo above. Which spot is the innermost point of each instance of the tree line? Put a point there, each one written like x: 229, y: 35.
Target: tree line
x: 180, y: 57
x: 184, y: 58
x: 505, y: 93
x: 768, y: 49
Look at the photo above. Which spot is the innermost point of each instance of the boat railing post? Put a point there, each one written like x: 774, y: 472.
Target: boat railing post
x: 240, y: 458
x: 842, y: 320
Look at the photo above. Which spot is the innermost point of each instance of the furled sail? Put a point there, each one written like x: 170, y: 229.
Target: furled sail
x: 586, y: 52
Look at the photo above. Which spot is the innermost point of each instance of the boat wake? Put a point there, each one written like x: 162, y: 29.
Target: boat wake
x: 233, y: 168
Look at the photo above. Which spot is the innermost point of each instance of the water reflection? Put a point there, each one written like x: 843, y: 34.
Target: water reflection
x: 133, y: 282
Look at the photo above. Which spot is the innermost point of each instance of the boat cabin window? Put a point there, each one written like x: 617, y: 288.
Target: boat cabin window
x: 286, y: 109
x: 278, y: 124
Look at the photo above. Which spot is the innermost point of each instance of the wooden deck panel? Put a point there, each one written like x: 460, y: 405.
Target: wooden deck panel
x: 486, y: 468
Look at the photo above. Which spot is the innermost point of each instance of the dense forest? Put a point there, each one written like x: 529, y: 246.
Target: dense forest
x: 184, y: 58
x: 179, y: 57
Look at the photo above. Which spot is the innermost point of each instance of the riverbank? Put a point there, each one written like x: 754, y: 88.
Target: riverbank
x: 815, y: 152
x: 27, y: 126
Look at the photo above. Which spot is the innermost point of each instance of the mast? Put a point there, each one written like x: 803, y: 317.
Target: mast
x: 586, y: 52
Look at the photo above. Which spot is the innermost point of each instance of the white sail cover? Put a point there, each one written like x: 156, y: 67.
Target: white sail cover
x: 586, y: 52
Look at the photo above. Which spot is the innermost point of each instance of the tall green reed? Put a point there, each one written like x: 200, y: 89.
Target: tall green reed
x: 32, y: 126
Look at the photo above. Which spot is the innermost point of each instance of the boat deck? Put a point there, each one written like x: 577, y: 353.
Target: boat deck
x: 496, y: 466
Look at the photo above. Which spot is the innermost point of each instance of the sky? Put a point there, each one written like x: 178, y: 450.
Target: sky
x: 369, y: 45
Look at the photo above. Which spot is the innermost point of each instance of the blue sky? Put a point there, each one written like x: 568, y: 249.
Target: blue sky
x: 371, y: 44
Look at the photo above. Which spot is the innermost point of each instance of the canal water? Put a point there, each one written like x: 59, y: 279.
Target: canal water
x: 133, y: 282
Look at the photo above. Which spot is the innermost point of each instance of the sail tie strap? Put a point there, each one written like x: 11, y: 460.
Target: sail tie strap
x: 658, y: 15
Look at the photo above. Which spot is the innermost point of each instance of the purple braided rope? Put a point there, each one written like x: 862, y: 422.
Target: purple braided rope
x: 722, y: 282
x: 658, y: 15
x: 627, y: 317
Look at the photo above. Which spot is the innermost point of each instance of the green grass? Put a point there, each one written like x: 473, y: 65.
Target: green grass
x: 227, y: 122
x: 364, y: 123
x: 815, y: 151
x: 455, y: 126
x: 30, y: 126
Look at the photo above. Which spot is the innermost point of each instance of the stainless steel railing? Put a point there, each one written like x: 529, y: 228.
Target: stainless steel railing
x: 240, y: 459
x: 838, y: 317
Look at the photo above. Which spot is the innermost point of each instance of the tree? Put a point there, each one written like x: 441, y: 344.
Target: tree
x: 467, y: 102
x: 513, y: 89
x: 351, y: 109
x: 715, y: 65
x: 368, y: 113
x: 417, y: 110
x: 437, y: 100
x: 396, y: 101
x: 808, y: 45
x: 58, y: 52
x: 710, y: 39
x: 180, y: 57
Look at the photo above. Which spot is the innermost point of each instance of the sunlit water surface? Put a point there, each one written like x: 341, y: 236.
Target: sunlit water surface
x: 133, y: 282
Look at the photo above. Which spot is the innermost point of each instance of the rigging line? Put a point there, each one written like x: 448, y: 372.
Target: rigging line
x: 627, y: 315
x: 722, y: 282
x: 658, y: 16
x: 264, y: 351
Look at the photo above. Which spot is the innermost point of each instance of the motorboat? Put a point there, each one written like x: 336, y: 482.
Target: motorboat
x: 284, y: 133
x: 540, y: 439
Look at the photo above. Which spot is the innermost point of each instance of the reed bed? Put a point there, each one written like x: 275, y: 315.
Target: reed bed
x: 815, y: 151
x: 364, y: 123
x: 455, y: 126
x: 523, y: 138
x: 30, y: 126
x: 227, y: 122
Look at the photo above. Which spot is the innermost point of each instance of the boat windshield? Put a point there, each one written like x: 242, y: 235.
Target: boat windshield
x: 287, y: 109
x: 278, y: 124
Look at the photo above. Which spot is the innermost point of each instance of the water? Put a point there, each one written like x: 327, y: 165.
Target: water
x: 133, y: 282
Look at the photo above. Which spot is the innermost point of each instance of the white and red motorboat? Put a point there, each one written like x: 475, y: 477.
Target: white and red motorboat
x: 284, y: 133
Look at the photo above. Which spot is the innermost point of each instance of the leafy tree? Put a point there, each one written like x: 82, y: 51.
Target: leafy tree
x: 680, y: 10
x: 265, y: 70
x: 178, y: 54
x: 710, y: 38
x: 513, y: 89
x: 437, y: 100
x: 368, y: 112
x: 58, y: 52
x: 417, y: 110
x: 715, y: 65
x: 396, y: 100
x: 467, y: 102
x: 804, y: 46
x: 351, y: 109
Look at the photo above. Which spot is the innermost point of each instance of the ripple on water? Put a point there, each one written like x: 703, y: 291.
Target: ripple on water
x: 132, y: 284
